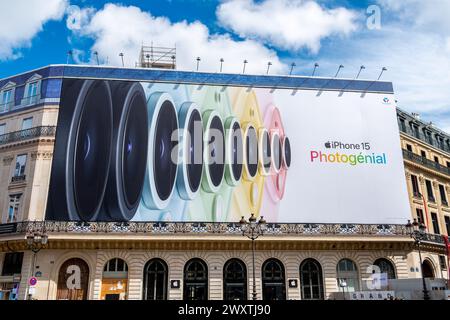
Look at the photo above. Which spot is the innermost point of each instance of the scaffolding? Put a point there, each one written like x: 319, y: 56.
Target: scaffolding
x: 157, y: 57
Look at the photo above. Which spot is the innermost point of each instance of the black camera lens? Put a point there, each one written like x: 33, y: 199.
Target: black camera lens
x: 134, y: 149
x: 236, y: 149
x: 129, y: 154
x: 287, y: 152
x: 195, y: 166
x: 216, y: 151
x: 277, y: 152
x: 164, y: 169
x: 251, y: 151
x: 92, y: 137
x: 266, y: 151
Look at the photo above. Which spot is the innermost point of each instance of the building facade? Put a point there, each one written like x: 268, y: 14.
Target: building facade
x: 168, y: 260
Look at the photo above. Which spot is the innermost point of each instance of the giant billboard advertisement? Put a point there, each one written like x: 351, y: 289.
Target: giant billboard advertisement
x: 147, y: 151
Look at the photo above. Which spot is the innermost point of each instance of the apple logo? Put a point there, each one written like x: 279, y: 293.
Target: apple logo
x: 328, y: 145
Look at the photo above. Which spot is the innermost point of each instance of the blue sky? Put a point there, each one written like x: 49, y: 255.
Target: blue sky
x: 412, y: 39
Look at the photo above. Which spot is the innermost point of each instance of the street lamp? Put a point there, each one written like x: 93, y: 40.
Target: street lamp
x: 35, y: 242
x: 221, y: 63
x: 268, y: 66
x: 245, y: 63
x: 121, y: 56
x: 417, y: 232
x: 252, y: 229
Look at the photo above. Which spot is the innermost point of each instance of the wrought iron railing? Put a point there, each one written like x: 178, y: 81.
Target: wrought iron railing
x: 43, y: 131
x: 425, y: 162
x: 20, y: 178
x: 27, y: 101
x: 204, y: 227
x: 306, y: 229
x: 5, y: 107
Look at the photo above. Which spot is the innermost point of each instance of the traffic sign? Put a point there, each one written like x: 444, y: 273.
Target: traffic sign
x: 32, y: 281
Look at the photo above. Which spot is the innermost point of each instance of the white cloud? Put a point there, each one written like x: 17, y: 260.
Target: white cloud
x: 286, y: 24
x: 117, y: 28
x: 22, y: 20
x: 416, y: 55
x: 78, y: 18
x: 429, y: 15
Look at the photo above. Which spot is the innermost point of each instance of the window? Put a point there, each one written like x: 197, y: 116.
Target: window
x: 434, y: 220
x: 234, y: 280
x: 2, y: 128
x: 423, y: 153
x: 436, y: 159
x: 155, y: 280
x: 21, y: 161
x: 27, y: 123
x: 447, y: 224
x: 12, y: 264
x: 347, y: 276
x: 114, y: 280
x: 311, y: 280
x: 415, y: 131
x: 419, y: 213
x: 440, y: 142
x: 273, y: 280
x: 430, y: 193
x: 415, y: 186
x: 13, y: 210
x: 195, y: 280
x: 448, y: 164
x: 409, y: 147
x: 385, y: 267
x: 6, y: 97
x: 402, y: 125
x: 428, y: 137
x: 443, y: 195
x: 443, y: 262
x: 116, y: 265
x: 32, y: 89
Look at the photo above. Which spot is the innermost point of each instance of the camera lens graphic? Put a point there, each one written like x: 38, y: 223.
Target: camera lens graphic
x: 89, y: 151
x: 266, y: 152
x: 214, y: 151
x: 234, y: 154
x: 161, y: 169
x: 251, y: 152
x: 286, y: 153
x: 128, y: 161
x: 191, y: 141
x: 276, y: 152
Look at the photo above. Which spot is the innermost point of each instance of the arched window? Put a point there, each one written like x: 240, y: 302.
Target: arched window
x: 234, y: 280
x: 195, y: 280
x: 311, y: 281
x: 385, y: 267
x: 116, y: 265
x: 273, y: 280
x: 427, y: 269
x: 347, y: 276
x: 155, y: 280
x: 114, y: 280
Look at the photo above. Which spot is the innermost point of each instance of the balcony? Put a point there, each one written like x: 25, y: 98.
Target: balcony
x: 17, y: 179
x: 28, y: 101
x: 5, y: 107
x: 22, y: 135
x: 408, y: 155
